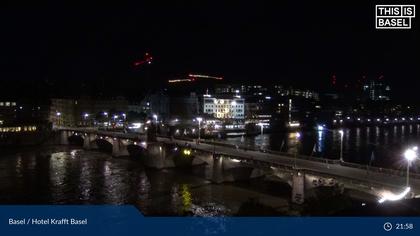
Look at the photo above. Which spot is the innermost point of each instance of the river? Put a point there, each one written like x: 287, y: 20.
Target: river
x: 386, y: 143
x: 71, y: 175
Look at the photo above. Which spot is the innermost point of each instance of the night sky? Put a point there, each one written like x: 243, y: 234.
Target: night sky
x: 296, y: 43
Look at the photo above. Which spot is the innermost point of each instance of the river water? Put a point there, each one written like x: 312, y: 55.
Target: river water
x: 386, y: 143
x: 70, y: 175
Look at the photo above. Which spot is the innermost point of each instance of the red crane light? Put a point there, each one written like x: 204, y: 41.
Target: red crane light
x: 146, y: 59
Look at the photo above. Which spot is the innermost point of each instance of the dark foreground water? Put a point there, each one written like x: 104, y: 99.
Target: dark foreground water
x: 70, y: 175
x: 63, y: 175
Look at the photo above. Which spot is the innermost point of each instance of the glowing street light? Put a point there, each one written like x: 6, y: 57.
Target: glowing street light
x: 187, y: 152
x: 156, y: 121
x: 199, y: 119
x: 320, y: 127
x: 262, y: 127
x: 341, y: 144
x: 410, y: 155
x: 58, y: 114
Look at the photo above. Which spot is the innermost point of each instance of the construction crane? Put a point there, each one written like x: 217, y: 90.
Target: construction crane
x: 147, y: 59
x: 194, y: 77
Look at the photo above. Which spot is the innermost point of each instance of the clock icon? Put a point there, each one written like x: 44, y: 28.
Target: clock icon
x: 387, y: 226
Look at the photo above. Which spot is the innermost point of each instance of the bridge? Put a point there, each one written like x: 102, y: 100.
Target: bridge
x: 225, y: 162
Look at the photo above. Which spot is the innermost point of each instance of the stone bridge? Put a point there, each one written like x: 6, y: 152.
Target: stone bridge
x: 223, y: 163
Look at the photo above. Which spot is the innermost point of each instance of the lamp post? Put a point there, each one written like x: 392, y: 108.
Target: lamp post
x: 297, y: 148
x: 341, y: 144
x: 199, y: 119
x: 156, y: 121
x: 86, y: 116
x: 410, y: 155
x: 58, y: 118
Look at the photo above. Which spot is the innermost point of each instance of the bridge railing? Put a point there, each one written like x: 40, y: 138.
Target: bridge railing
x: 304, y: 157
x: 97, y: 131
x: 391, y: 172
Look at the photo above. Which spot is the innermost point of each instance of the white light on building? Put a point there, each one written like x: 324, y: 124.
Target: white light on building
x: 232, y: 108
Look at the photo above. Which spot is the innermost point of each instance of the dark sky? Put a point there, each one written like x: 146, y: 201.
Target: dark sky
x: 290, y: 42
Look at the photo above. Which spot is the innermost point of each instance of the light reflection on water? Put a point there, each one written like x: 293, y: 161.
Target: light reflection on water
x: 75, y: 176
x: 387, y: 143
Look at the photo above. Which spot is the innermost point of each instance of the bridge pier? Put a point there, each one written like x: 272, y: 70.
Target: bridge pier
x: 89, y: 141
x: 219, y: 168
x: 119, y: 148
x: 158, y: 156
x: 302, y: 182
x: 217, y: 174
x: 64, y: 137
x: 298, y: 187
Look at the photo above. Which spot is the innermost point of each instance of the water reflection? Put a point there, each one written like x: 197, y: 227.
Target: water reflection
x: 358, y: 143
x: 320, y: 143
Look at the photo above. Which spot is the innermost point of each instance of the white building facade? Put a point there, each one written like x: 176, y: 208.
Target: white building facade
x: 224, y: 108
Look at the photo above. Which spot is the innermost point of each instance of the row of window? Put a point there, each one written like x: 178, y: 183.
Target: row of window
x: 18, y: 129
x: 223, y: 110
x: 7, y: 104
x: 222, y: 115
x: 223, y: 101
x: 223, y: 106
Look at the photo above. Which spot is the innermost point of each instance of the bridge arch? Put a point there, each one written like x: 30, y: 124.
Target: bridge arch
x: 104, y: 143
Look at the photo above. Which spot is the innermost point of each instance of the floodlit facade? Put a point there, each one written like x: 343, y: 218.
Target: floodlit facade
x: 224, y: 108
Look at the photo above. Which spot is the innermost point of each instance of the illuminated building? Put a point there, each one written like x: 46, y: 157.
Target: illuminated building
x: 224, y: 108
x: 15, y: 129
x: 304, y: 93
x: 7, y: 111
x: 62, y: 112
x: 376, y: 91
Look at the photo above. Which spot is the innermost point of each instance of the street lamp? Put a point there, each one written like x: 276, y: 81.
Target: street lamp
x: 156, y: 121
x: 410, y: 155
x: 199, y: 119
x: 341, y: 144
x: 298, y: 135
x: 58, y: 114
